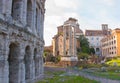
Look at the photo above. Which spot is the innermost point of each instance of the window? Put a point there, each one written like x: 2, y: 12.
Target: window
x: 97, y: 49
x: 112, y: 52
x: 92, y: 38
x: 97, y: 38
x: 114, y: 41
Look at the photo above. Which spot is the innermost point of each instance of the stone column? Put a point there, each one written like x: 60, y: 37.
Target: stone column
x: 33, y: 27
x: 41, y: 60
x: 36, y: 62
x: 2, y: 6
x: 7, y: 7
x: 41, y: 31
x: 70, y: 40
x: 24, y: 12
x: 38, y: 22
x: 32, y: 74
x: 22, y: 64
x: 22, y: 72
x: 74, y: 42
x: 42, y: 25
x: 64, y: 40
x: 4, y: 51
x: 4, y: 71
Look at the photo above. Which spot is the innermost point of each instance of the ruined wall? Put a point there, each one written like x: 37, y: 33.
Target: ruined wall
x: 21, y: 40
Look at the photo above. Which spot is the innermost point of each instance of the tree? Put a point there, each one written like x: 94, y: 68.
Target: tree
x: 84, y: 44
x: 92, y: 50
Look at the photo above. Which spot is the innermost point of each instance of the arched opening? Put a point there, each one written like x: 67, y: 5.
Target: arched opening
x: 16, y: 5
x: 13, y: 63
x: 29, y: 13
x: 97, y: 49
x: 27, y: 62
x: 36, y: 60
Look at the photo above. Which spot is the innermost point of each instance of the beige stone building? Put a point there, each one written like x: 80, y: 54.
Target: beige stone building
x: 21, y: 40
x: 110, y: 44
x: 65, y: 42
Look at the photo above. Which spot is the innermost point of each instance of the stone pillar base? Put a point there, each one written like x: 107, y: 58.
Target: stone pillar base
x: 68, y: 61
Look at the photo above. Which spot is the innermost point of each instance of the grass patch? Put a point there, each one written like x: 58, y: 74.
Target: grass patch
x: 67, y: 79
x: 110, y: 74
x: 114, y: 62
x: 59, y: 77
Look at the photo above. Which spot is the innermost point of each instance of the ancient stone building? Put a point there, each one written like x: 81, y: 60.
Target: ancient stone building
x: 65, y: 42
x: 21, y: 40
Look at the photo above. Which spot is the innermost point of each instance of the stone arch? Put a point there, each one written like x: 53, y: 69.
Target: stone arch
x: 29, y: 13
x: 36, y: 61
x: 97, y: 49
x: 27, y: 60
x: 13, y: 60
x: 16, y: 9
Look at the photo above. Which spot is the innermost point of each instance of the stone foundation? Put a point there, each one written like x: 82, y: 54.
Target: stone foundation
x: 68, y: 61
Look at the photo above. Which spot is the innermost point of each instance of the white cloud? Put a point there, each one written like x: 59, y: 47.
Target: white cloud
x: 94, y: 13
x: 67, y: 3
x: 56, y: 14
x: 109, y: 2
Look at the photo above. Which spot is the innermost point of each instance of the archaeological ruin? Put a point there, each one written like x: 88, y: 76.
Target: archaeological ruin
x: 65, y: 42
x: 21, y: 40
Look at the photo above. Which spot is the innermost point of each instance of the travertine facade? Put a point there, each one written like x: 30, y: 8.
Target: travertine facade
x: 21, y: 40
x: 110, y: 44
x: 65, y: 42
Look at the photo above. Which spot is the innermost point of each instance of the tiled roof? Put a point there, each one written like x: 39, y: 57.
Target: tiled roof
x: 94, y: 33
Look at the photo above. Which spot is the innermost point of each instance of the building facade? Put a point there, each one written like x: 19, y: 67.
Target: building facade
x: 110, y: 44
x: 94, y: 37
x: 65, y: 42
x: 21, y: 40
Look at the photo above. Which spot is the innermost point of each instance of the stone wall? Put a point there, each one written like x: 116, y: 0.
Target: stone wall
x: 21, y: 40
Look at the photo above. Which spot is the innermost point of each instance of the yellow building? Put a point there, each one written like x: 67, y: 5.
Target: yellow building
x: 111, y: 44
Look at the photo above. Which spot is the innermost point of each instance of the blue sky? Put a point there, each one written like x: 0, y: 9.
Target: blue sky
x: 90, y: 14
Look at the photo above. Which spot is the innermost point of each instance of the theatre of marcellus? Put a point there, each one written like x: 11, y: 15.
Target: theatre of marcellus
x: 21, y: 40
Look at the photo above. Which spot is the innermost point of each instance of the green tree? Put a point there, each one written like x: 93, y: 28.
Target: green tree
x: 92, y: 50
x: 84, y: 44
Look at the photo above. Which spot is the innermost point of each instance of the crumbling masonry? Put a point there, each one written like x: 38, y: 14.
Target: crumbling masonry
x: 21, y: 40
